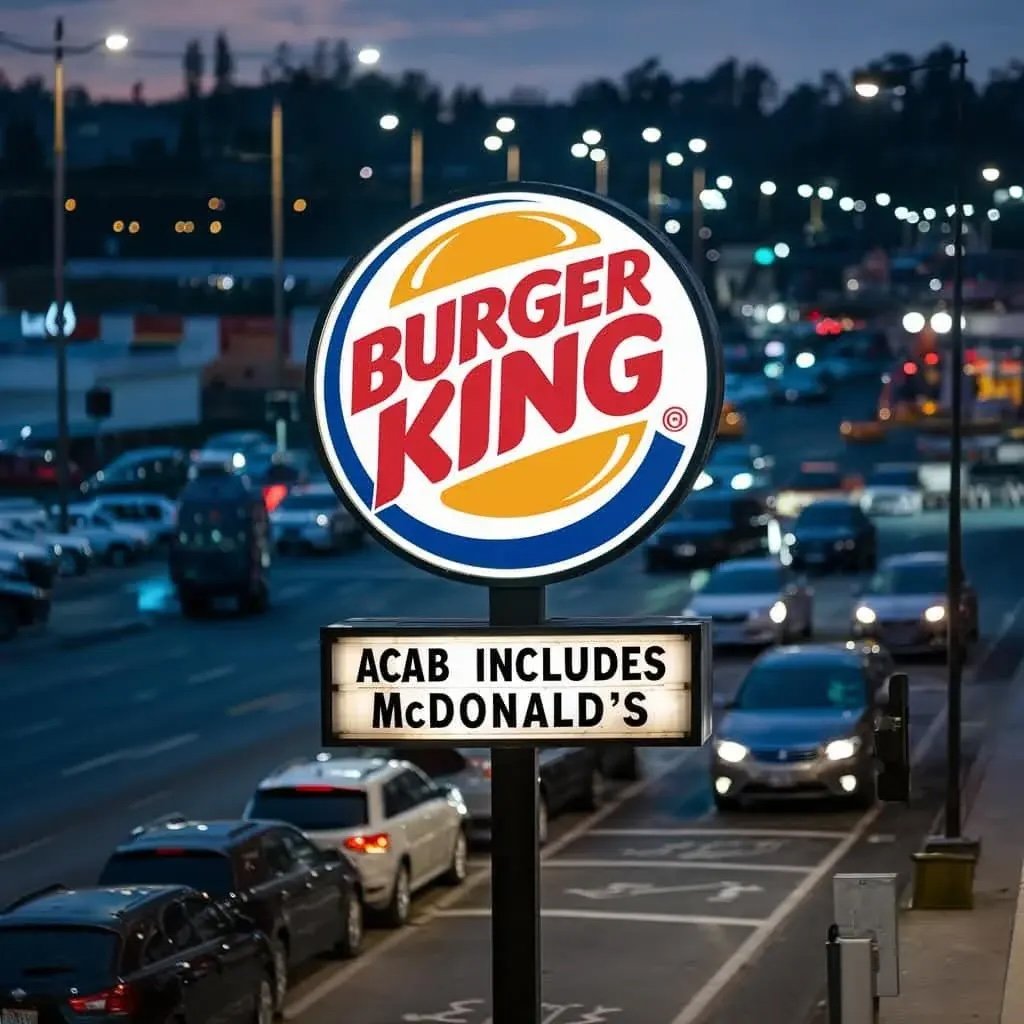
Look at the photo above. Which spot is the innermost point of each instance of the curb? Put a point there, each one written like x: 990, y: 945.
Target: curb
x: 113, y: 631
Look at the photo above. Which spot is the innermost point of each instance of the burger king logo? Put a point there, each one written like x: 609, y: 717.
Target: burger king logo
x: 515, y: 385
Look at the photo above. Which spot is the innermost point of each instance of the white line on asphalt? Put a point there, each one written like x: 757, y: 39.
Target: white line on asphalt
x: 20, y: 851
x: 35, y: 729
x: 96, y: 762
x: 601, y: 915
x: 751, y: 946
x: 131, y: 754
x: 312, y: 644
x: 783, y: 833
x: 304, y: 1002
x: 210, y: 674
x: 141, y: 753
x: 686, y: 865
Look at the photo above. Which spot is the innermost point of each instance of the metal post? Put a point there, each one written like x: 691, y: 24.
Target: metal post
x: 817, y: 219
x: 512, y: 162
x: 416, y: 167
x: 833, y: 977
x: 601, y: 177
x: 954, y: 595
x: 654, y: 192
x: 60, y: 341
x: 697, y: 243
x: 515, y: 853
x: 277, y: 233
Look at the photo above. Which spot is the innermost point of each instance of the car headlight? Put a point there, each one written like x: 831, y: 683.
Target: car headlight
x: 935, y: 614
x: 322, y: 520
x: 730, y: 751
x: 790, y: 539
x: 742, y: 482
x: 842, y: 750
x: 778, y: 612
x: 865, y: 615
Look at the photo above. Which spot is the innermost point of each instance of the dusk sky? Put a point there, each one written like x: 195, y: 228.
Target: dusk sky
x: 543, y: 44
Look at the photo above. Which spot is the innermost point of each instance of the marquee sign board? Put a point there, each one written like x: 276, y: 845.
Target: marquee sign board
x: 465, y: 683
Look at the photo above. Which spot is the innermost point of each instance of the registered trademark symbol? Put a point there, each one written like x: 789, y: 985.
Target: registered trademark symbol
x: 674, y: 419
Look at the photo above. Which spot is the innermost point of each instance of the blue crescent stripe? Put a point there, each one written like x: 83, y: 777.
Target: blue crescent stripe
x: 564, y: 544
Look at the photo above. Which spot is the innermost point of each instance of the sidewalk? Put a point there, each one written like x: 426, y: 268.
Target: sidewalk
x: 955, y: 964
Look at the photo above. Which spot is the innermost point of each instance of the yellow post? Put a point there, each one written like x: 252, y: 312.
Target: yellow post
x: 512, y: 162
x: 416, y: 167
x: 601, y: 177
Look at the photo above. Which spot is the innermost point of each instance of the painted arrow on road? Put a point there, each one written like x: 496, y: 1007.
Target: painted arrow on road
x: 722, y: 892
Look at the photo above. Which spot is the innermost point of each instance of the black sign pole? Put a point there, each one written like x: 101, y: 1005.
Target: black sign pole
x: 515, y: 851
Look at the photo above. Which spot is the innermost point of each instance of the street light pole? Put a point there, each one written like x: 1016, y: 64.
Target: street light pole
x: 277, y: 241
x: 954, y: 597
x: 512, y: 162
x: 697, y: 241
x: 654, y: 192
x: 416, y: 167
x: 60, y: 341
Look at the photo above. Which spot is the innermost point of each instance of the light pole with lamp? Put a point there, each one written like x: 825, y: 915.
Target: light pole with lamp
x: 115, y: 42
x: 590, y: 146
x: 505, y: 126
x: 389, y: 122
x: 952, y: 844
x: 764, y: 204
x: 652, y: 135
x: 697, y: 146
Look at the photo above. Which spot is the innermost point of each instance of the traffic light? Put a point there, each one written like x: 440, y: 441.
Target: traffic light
x: 764, y: 256
x: 892, y: 742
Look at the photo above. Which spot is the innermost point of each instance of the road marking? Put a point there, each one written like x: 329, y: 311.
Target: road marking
x: 131, y: 754
x: 771, y: 833
x: 20, y: 851
x: 721, y: 891
x: 685, y: 865
x: 751, y: 946
x: 343, y: 973
x: 601, y: 915
x: 269, y: 702
x: 35, y: 729
x: 303, y: 646
x: 210, y: 674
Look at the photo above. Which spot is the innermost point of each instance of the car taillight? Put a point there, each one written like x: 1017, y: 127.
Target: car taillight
x: 482, y: 765
x: 118, y: 1001
x: 379, y: 842
x: 274, y: 495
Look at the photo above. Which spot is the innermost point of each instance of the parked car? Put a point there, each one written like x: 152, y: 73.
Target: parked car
x: 815, y: 481
x: 142, y: 954
x: 156, y: 470
x: 116, y: 544
x: 708, y: 528
x: 893, y: 489
x: 754, y: 601
x: 306, y: 901
x: 38, y: 562
x: 904, y: 605
x: 311, y: 518
x: 153, y: 513
x: 32, y: 471
x: 833, y: 534
x: 22, y: 603
x: 399, y: 829
x: 801, y: 726
x: 72, y: 554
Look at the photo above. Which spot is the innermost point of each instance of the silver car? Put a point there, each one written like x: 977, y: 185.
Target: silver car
x: 904, y: 605
x: 754, y: 601
x: 312, y: 518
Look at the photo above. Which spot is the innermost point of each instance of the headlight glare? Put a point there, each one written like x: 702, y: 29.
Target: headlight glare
x: 865, y: 615
x: 935, y: 614
x: 778, y: 612
x: 842, y: 750
x: 730, y: 751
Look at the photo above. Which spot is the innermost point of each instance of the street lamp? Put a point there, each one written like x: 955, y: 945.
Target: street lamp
x: 883, y: 198
x: 699, y: 183
x: 505, y: 125
x: 653, y: 135
x: 113, y: 42
x: 869, y: 86
x: 764, y: 202
x: 389, y: 122
x: 368, y: 55
x: 600, y: 158
x: 591, y: 136
x: 990, y: 174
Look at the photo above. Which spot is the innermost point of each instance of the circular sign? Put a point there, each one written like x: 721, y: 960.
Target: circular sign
x: 515, y: 385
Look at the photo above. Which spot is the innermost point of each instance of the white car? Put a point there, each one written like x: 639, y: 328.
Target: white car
x: 73, y: 554
x: 154, y: 513
x: 893, y: 489
x: 754, y: 601
x: 311, y: 518
x: 397, y: 827
x: 115, y: 543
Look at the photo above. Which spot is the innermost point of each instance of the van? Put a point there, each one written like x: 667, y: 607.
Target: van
x: 221, y: 548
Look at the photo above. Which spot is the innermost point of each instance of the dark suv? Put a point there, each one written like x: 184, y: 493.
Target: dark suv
x: 308, y: 901
x: 147, y: 954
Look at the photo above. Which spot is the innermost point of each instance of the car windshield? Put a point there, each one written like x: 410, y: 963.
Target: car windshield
x: 817, y: 481
x: 909, y: 579
x: 826, y: 515
x: 814, y: 684
x: 754, y: 580
x: 308, y: 503
x: 70, y: 953
x: 205, y: 870
x: 312, y: 808
x: 893, y: 478
x: 703, y: 511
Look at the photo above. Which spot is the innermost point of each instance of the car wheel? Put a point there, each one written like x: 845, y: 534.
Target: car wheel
x: 279, y: 960
x: 542, y: 819
x: 351, y: 943
x: 456, y: 873
x: 396, y: 914
x: 8, y: 620
x: 726, y: 804
x: 594, y: 794
x: 118, y: 556
x: 264, y: 1013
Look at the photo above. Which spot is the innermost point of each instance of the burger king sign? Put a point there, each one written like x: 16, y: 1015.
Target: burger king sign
x: 516, y: 384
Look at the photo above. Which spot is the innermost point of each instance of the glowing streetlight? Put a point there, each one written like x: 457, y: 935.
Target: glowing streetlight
x: 698, y: 145
x: 941, y: 322
x: 846, y: 204
x: 493, y: 143
x: 674, y: 159
x: 598, y: 155
x: 724, y: 182
x: 781, y: 250
x: 913, y: 322
x: 672, y: 227
x: 929, y: 213
x: 769, y: 188
x: 116, y: 42
x: 826, y: 192
x: 1015, y: 192
x: 804, y: 191
x: 651, y: 135
x: 591, y: 136
x: 883, y: 198
x: 368, y: 55
x: 389, y: 122
x: 866, y: 88
x: 579, y: 150
x: 993, y: 215
x: 990, y: 173
x: 505, y: 125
